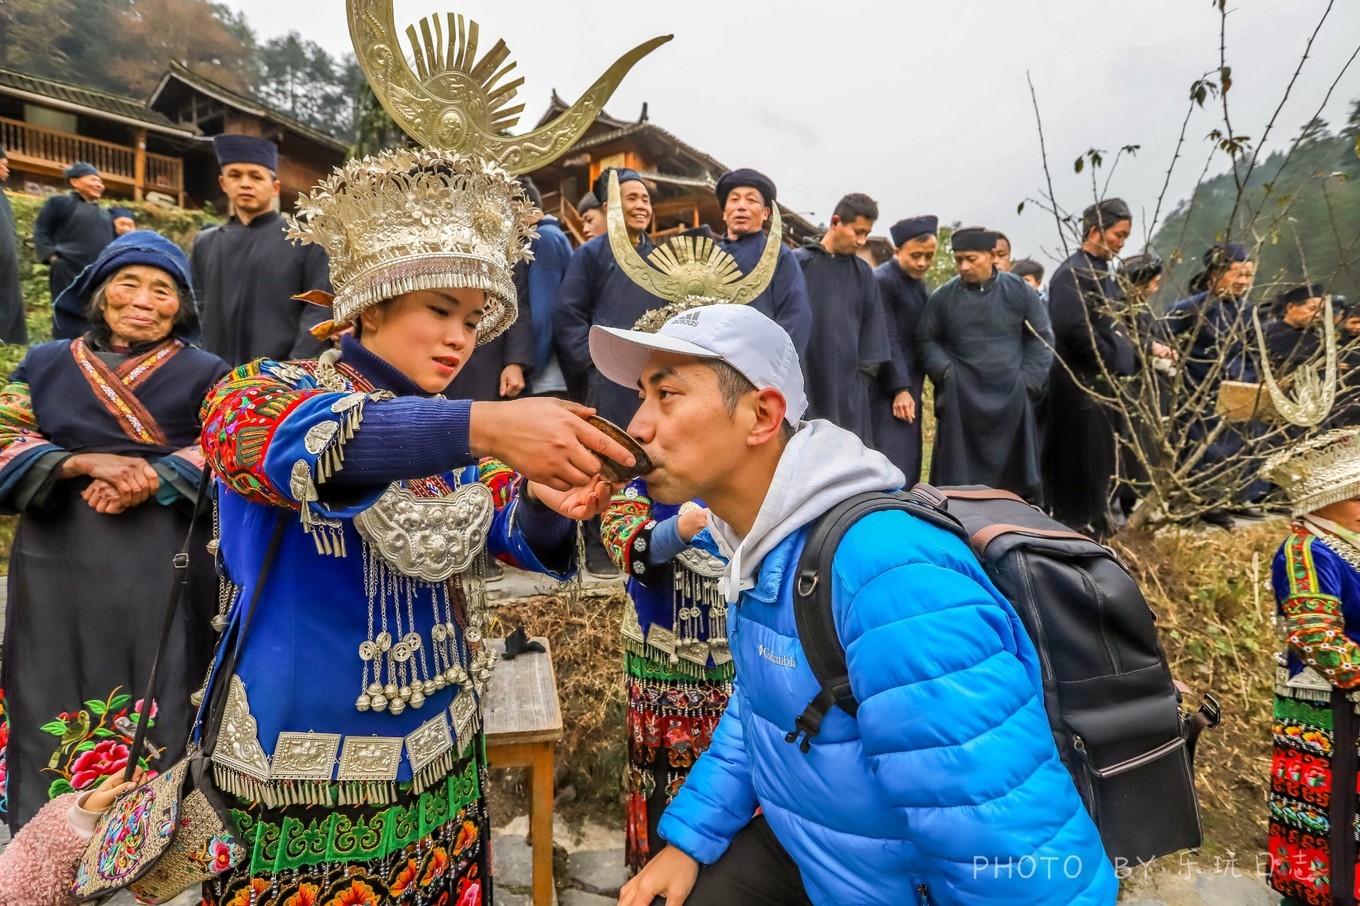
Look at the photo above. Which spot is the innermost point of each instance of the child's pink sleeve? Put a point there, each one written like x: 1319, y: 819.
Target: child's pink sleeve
x: 38, y: 867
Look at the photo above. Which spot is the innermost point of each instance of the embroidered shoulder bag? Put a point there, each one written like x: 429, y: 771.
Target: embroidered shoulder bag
x: 174, y: 831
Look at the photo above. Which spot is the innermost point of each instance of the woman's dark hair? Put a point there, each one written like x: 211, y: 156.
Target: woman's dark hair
x: 100, y: 335
x: 1143, y: 268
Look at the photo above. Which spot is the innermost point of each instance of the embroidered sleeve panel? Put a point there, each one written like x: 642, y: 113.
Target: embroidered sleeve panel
x: 501, y: 480
x: 1306, y: 574
x: 273, y: 434
x: 19, y: 432
x: 1316, y: 632
x: 627, y: 515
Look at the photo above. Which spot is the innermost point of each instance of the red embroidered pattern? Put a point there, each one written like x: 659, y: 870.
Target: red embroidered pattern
x: 114, y: 391
x: 499, y: 479
x: 620, y: 522
x: 18, y: 425
x: 1315, y: 627
x: 240, y: 416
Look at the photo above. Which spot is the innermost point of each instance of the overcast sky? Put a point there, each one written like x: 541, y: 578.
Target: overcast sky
x: 923, y: 106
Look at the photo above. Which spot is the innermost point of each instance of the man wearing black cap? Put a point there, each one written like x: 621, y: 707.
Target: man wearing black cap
x: 986, y: 342
x: 592, y: 216
x: 596, y: 291
x: 849, y: 340
x: 1217, y: 321
x: 70, y: 232
x: 1292, y: 337
x: 13, y: 328
x: 1093, y: 350
x: 246, y: 272
x: 124, y: 221
x: 747, y: 197
x: 896, y: 395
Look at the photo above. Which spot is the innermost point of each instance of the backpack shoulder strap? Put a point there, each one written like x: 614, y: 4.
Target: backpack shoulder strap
x: 812, y: 604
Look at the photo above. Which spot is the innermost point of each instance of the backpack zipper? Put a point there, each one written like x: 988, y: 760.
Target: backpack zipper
x: 1094, y: 590
x: 922, y: 895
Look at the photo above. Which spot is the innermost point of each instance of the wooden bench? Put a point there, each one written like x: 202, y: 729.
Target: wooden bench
x: 523, y: 722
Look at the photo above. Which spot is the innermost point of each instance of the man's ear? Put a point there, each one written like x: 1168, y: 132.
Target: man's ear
x: 835, y: 220
x: 767, y: 409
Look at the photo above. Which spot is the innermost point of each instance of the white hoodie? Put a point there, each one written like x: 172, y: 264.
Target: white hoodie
x: 821, y: 466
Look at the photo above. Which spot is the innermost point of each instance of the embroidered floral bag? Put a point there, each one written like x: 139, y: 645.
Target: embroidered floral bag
x: 175, y: 830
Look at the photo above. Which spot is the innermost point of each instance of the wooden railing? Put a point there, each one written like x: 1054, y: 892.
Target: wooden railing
x: 55, y: 151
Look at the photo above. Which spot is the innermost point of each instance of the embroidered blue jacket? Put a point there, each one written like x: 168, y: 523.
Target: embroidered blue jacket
x: 281, y: 443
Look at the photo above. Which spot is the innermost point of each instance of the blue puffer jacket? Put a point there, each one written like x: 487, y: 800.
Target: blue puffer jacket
x: 947, y: 788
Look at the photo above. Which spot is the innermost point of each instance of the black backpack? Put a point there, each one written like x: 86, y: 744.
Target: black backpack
x: 1119, y: 721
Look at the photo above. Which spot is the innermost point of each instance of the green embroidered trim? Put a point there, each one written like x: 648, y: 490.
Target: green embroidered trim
x: 1303, y: 712
x: 338, y: 836
x: 642, y: 667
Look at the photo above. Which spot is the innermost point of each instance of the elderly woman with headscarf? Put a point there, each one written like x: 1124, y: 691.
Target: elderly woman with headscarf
x: 1316, y: 577
x: 99, y: 455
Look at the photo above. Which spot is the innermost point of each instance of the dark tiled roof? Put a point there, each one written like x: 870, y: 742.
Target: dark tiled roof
x: 87, y: 98
x: 248, y: 104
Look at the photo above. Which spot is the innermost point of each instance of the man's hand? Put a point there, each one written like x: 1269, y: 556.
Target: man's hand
x: 904, y: 407
x: 578, y: 503
x: 691, y: 522
x: 133, y: 480
x: 512, y: 381
x: 671, y: 875
x: 545, y: 440
x: 1162, y: 351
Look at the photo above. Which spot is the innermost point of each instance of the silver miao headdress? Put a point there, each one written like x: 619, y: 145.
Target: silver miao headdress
x: 451, y: 214
x: 688, y: 272
x: 1318, y: 472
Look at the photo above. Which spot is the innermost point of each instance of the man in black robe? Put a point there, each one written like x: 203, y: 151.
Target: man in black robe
x: 1213, y: 328
x: 747, y: 199
x: 597, y: 291
x: 896, y: 394
x: 13, y: 328
x: 68, y: 234
x: 1292, y: 338
x: 986, y: 342
x: 849, y: 340
x: 1093, y: 353
x: 246, y: 272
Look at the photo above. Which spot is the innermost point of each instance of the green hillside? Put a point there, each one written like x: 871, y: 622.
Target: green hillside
x: 1300, y: 208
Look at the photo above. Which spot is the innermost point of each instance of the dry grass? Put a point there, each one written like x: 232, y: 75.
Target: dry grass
x: 1211, y: 592
x: 588, y: 661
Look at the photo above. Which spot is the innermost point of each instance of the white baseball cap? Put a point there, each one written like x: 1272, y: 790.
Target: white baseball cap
x: 737, y: 334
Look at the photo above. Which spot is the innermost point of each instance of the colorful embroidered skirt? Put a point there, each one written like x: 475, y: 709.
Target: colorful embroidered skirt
x: 429, y: 849
x: 671, y: 719
x: 1300, y: 796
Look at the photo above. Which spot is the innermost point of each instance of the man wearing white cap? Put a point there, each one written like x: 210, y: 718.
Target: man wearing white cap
x: 948, y: 770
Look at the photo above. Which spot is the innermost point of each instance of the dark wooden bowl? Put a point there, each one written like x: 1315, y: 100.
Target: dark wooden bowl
x: 615, y: 472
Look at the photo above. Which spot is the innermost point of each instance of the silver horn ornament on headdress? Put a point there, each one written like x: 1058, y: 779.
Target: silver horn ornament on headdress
x: 688, y: 271
x: 1314, y: 394
x: 452, y: 100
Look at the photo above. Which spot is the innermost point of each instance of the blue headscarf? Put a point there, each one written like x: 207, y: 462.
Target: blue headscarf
x: 140, y: 247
